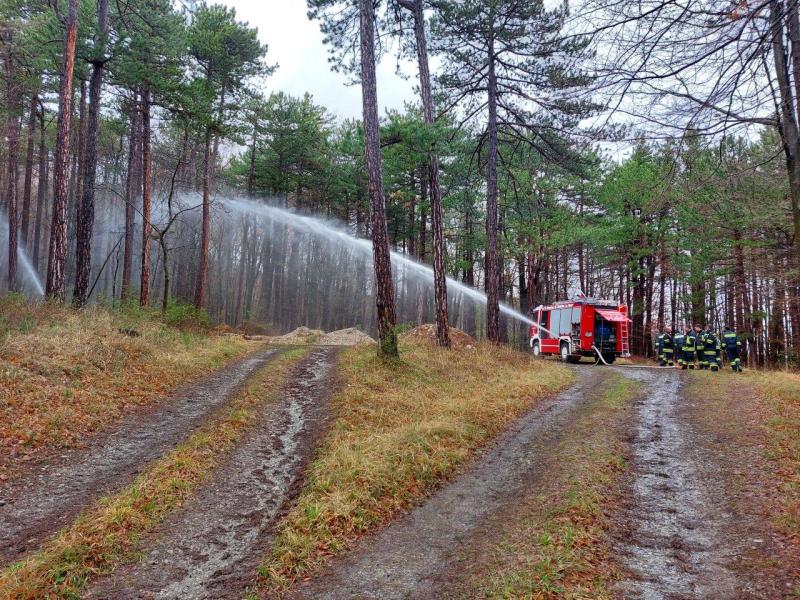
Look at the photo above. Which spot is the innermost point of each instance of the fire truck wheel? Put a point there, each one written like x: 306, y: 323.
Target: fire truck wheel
x: 537, y: 351
x: 565, y: 352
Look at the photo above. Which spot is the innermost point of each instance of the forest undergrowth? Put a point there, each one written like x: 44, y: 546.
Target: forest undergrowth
x: 65, y: 373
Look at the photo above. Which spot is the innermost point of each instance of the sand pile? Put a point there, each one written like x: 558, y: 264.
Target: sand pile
x: 427, y: 332
x: 301, y: 335
x: 345, y: 337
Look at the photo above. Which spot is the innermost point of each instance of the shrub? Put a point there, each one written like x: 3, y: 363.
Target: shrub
x: 186, y: 316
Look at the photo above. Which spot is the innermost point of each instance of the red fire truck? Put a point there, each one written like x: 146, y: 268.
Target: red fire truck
x: 573, y: 328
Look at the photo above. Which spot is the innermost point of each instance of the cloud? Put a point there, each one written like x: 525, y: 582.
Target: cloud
x: 295, y: 43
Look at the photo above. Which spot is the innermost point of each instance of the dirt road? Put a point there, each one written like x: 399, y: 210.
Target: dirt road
x: 211, y: 547
x: 50, y: 495
x: 676, y: 538
x: 679, y: 534
x: 673, y: 538
x: 406, y: 559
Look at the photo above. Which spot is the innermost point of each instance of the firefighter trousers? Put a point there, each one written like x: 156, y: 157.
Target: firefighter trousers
x: 711, y: 360
x: 733, y: 358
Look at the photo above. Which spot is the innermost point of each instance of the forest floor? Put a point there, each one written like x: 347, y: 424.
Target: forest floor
x: 321, y: 472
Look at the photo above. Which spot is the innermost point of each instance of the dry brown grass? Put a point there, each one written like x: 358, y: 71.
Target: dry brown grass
x: 781, y: 393
x: 401, y: 429
x: 754, y: 422
x: 65, y: 373
x: 108, y: 533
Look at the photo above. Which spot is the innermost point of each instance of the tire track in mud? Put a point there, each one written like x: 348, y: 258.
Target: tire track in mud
x: 676, y: 534
x: 212, y: 546
x: 50, y: 495
x: 406, y: 559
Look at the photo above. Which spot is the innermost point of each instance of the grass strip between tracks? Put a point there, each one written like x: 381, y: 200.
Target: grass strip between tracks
x: 554, y: 543
x: 401, y: 430
x: 107, y: 533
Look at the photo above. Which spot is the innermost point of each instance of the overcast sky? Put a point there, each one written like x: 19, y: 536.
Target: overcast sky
x: 295, y: 43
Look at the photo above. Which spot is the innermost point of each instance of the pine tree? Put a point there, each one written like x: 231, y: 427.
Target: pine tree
x: 344, y: 23
x: 417, y: 9
x: 58, y: 232
x: 506, y: 60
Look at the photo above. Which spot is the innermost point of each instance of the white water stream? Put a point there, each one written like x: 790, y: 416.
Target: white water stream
x: 335, y: 232
x: 28, y: 277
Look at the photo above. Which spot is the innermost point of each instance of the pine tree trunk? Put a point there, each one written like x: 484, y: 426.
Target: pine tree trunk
x: 492, y: 283
x: 242, y: 271
x: 57, y: 253
x: 28, y: 186
x: 789, y: 130
x: 165, y: 261
x: 41, y: 191
x: 12, y: 134
x: 147, y: 175
x: 132, y: 189
x: 372, y: 151
x: 251, y: 169
x: 86, y: 200
x: 439, y: 279
x: 202, y: 271
x: 662, y: 289
x: 76, y: 174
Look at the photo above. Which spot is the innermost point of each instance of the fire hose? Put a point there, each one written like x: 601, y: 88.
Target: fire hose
x: 603, y: 360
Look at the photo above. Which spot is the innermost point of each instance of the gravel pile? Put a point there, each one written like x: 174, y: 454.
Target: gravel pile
x: 345, y: 337
x: 301, y: 335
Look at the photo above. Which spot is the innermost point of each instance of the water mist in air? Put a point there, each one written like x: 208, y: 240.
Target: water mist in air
x: 27, y: 278
x: 320, y: 275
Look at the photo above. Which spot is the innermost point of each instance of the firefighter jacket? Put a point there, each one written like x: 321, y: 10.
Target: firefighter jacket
x: 667, y: 343
x: 731, y: 340
x: 680, y: 343
x: 711, y: 344
x: 699, y: 340
x: 690, y: 342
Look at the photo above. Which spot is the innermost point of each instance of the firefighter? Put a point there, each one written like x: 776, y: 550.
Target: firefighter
x: 733, y: 348
x: 700, y: 348
x: 689, y: 348
x: 660, y: 348
x: 711, y: 350
x: 679, y: 341
x: 667, y: 349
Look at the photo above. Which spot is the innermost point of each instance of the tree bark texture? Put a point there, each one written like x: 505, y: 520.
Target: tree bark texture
x: 58, y: 232
x: 147, y: 172
x: 86, y: 202
x: 372, y: 151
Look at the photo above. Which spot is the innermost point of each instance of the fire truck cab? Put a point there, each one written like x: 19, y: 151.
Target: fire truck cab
x: 573, y: 328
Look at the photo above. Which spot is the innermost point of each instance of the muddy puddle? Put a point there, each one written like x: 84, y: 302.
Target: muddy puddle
x: 673, y: 528
x: 51, y: 495
x: 212, y: 546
